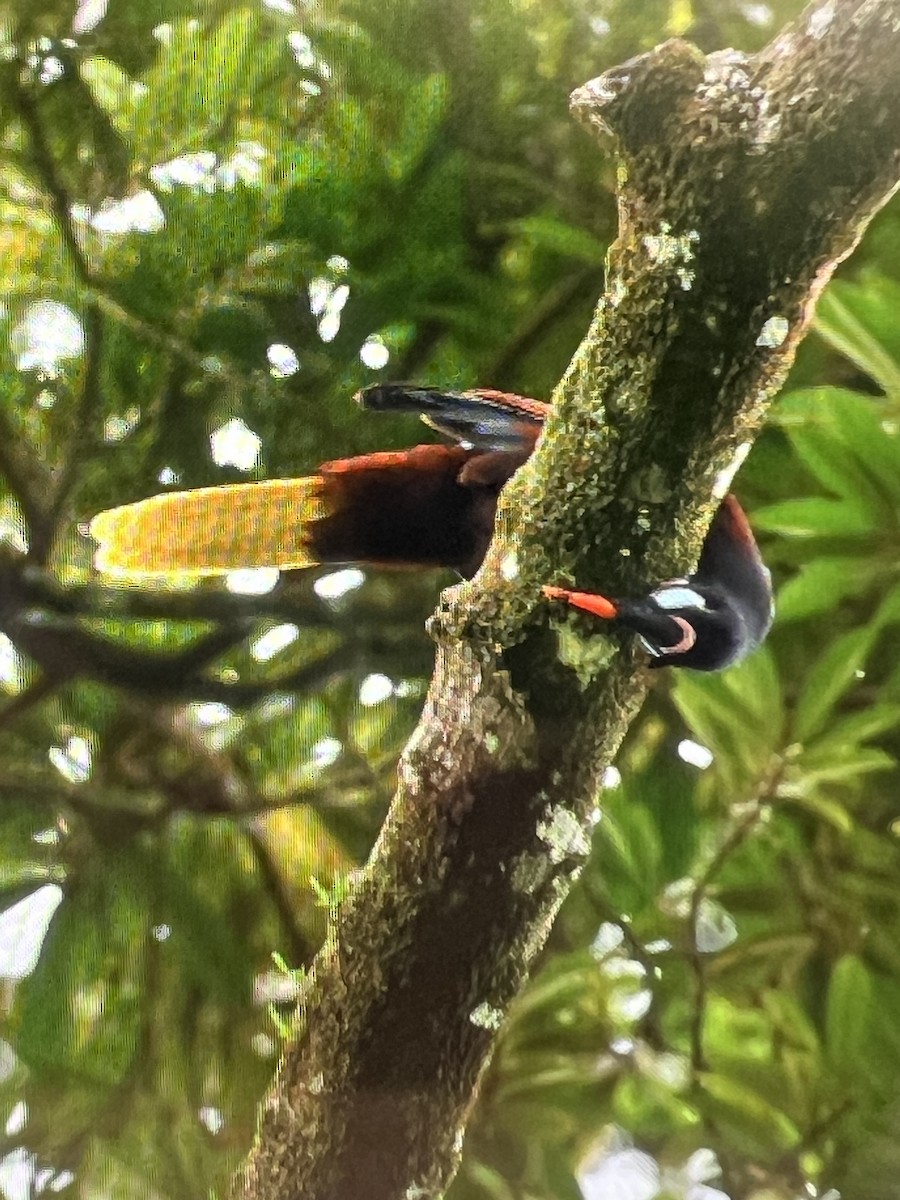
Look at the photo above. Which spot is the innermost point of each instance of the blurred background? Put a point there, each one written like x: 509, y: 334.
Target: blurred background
x: 219, y: 219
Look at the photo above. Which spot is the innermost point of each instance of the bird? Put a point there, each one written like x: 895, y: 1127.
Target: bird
x: 428, y: 506
x: 708, y: 620
x: 434, y: 506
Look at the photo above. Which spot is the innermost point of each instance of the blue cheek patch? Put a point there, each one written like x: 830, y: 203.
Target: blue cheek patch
x: 672, y: 598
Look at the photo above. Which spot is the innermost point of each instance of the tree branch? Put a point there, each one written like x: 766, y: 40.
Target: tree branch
x: 747, y: 180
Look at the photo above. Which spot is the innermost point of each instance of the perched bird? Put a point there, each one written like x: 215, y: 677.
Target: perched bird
x: 433, y: 506
x: 707, y: 621
x: 429, y: 506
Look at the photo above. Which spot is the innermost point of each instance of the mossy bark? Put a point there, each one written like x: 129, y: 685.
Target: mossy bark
x: 744, y: 181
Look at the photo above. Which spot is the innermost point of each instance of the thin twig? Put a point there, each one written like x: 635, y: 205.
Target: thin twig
x: 171, y: 343
x: 310, y: 677
x: 556, y: 302
x: 27, y: 477
x: 200, y: 604
x: 30, y: 696
x: 45, y: 165
x: 83, y: 431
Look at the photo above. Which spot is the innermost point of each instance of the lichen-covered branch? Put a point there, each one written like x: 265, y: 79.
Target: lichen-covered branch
x: 745, y: 180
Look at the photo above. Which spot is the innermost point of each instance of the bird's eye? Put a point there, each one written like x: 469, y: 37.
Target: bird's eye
x: 670, y: 598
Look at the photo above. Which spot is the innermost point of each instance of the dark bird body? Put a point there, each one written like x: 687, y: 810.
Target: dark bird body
x: 434, y: 506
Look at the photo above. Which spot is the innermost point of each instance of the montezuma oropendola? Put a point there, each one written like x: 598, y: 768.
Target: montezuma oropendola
x: 434, y: 506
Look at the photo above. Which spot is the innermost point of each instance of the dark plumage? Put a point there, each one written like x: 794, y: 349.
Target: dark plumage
x: 710, y: 620
x: 434, y: 506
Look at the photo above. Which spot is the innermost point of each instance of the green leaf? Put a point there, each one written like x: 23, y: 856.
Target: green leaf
x: 832, y: 676
x: 813, y: 420
x: 80, y: 1009
x: 223, y: 62
x: 816, y: 517
x: 791, y: 1019
x: 865, y: 425
x: 424, y: 110
x: 751, y: 1118
x: 646, y: 1107
x: 822, y: 583
x: 848, y: 1014
x: 210, y: 906
x: 830, y: 811
x: 201, y: 74
x: 112, y: 89
x: 551, y: 233
x: 839, y: 755
x: 845, y: 732
x: 491, y: 1182
x: 738, y: 714
x: 862, y: 425
x: 850, y: 766
x: 628, y: 852
x: 841, y: 328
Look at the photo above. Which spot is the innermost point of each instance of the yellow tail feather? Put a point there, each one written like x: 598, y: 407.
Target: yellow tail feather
x: 208, y: 531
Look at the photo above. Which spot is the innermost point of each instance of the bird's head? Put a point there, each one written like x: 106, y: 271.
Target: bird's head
x: 708, y: 621
x: 680, y: 623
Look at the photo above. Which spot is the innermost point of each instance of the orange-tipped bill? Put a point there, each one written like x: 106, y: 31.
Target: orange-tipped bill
x: 588, y: 602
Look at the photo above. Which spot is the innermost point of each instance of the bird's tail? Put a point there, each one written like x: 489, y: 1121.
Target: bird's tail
x: 403, y: 508
x: 211, y: 530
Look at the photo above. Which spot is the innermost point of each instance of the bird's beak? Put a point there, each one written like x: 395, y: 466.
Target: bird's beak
x: 590, y: 602
x: 660, y: 632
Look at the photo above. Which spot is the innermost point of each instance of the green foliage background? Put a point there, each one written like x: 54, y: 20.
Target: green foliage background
x: 727, y: 974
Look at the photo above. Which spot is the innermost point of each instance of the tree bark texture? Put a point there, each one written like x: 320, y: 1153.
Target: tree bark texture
x: 744, y: 180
